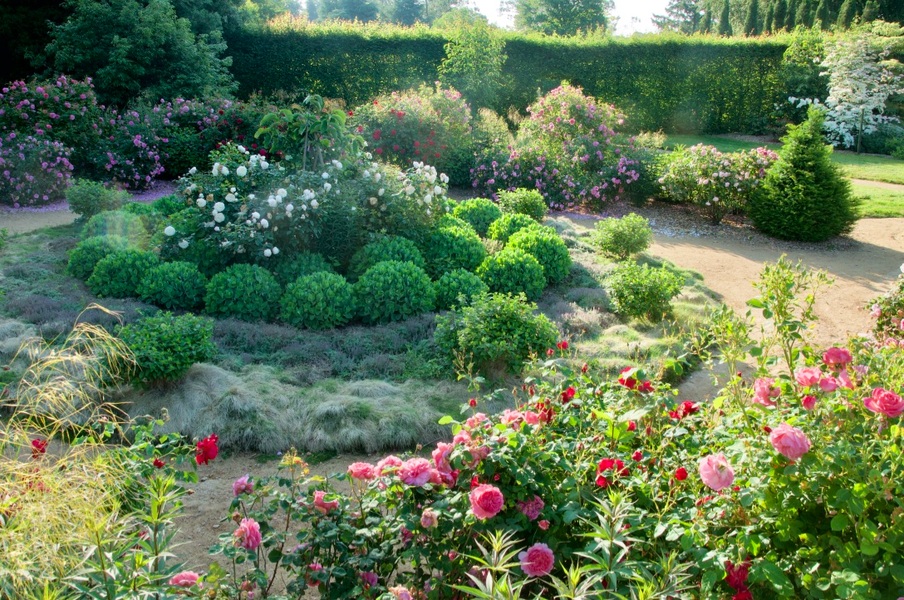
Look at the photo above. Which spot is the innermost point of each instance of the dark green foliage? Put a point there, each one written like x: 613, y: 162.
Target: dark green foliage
x: 343, y: 232
x: 804, y: 196
x: 620, y: 238
x: 453, y: 247
x: 513, y: 271
x: 643, y: 291
x: 287, y: 269
x: 174, y: 285
x: 456, y: 287
x: 120, y: 223
x: 89, y: 252
x: 725, y: 19
x: 561, y: 17
x: 544, y: 244
x: 507, y: 225
x: 752, y: 20
x: 780, y: 15
x: 246, y: 292
x: 525, y: 202
x: 479, y: 212
x: 322, y: 300
x: 139, y: 209
x: 166, y: 346
x: 87, y: 198
x: 392, y: 291
x: 495, y: 332
x: 168, y: 205
x: 119, y: 274
x: 390, y: 247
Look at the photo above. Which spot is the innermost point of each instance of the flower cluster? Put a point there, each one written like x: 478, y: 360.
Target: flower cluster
x: 33, y: 171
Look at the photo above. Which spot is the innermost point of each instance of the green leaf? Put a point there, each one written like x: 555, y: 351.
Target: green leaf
x: 446, y: 420
x: 840, y: 522
x: 777, y: 578
x: 868, y: 548
x: 755, y: 303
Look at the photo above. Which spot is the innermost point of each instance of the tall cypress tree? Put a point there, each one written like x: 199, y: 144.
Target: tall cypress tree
x: 846, y: 14
x: 725, y: 19
x: 870, y: 11
x: 804, y: 16
x: 752, y: 22
x: 706, y: 25
x: 821, y: 18
x: 791, y: 15
x: 780, y: 15
x: 769, y: 21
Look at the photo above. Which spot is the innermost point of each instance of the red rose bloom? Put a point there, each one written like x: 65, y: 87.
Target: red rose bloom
x: 206, y: 450
x: 680, y: 473
x: 158, y: 464
x: 38, y: 447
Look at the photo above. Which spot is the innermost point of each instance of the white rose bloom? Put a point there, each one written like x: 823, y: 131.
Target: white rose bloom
x: 254, y: 158
x: 265, y: 165
x: 290, y: 207
x: 368, y: 155
x: 232, y: 189
x: 217, y: 229
x: 282, y: 193
x: 366, y: 174
x: 327, y: 186
x: 230, y: 197
x: 267, y: 253
x: 169, y: 231
x: 247, y: 221
x: 275, y: 250
x: 224, y: 171
x: 380, y: 191
x: 444, y: 178
x: 325, y: 176
x: 251, y: 196
x: 378, y: 177
x: 409, y: 190
x: 302, y: 217
x: 201, y: 202
x: 265, y: 223
x: 337, y: 164
x: 241, y: 149
x: 428, y: 198
x: 219, y: 207
x: 437, y: 190
x: 307, y: 195
x: 219, y: 217
x: 255, y: 215
x: 417, y: 165
x: 216, y: 169
x: 272, y: 201
x: 193, y: 170
x: 314, y: 204
x: 183, y: 244
x: 373, y: 201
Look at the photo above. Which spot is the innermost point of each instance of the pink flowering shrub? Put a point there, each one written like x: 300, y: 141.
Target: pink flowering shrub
x: 888, y: 311
x: 33, y: 171
x: 568, y: 149
x: 717, y: 182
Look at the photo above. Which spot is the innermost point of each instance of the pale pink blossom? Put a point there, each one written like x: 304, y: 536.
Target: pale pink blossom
x: 808, y: 376
x: 764, y: 390
x: 790, y: 442
x: 388, y: 465
x: 486, y: 501
x: 400, y: 593
x: 828, y: 384
x: 836, y: 358
x: 242, y: 485
x: 322, y: 505
x: 537, y: 561
x: 441, y: 456
x: 531, y: 508
x: 362, y: 471
x: 185, y: 579
x: 415, y: 471
x: 885, y: 402
x: 716, y: 472
x: 248, y: 535
x: 429, y: 518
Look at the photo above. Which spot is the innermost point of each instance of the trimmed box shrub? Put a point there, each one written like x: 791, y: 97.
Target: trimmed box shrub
x: 322, y: 300
x: 457, y: 287
x: 87, y: 253
x: 505, y: 226
x: 642, y: 291
x: 119, y: 274
x: 165, y: 346
x: 390, y: 247
x: 523, y: 201
x: 479, y: 213
x: 392, y: 291
x: 246, y: 292
x: 453, y: 247
x: 513, y: 271
x: 544, y: 244
x: 621, y: 238
x: 174, y: 285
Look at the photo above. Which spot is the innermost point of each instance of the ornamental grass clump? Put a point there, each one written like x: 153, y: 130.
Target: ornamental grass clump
x: 322, y: 300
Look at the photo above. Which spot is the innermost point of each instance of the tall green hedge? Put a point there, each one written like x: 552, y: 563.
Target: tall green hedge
x: 677, y: 83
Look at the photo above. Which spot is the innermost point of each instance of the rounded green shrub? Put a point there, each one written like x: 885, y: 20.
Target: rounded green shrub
x: 118, y: 275
x: 643, y: 291
x: 479, y: 212
x: 87, y: 198
x: 507, y: 225
x: 620, y: 238
x: 121, y: 223
x: 174, y: 285
x: 457, y: 286
x: 453, y: 247
x: 495, y: 332
x: 450, y: 220
x: 392, y: 291
x: 321, y: 300
x: 804, y: 196
x: 246, y: 292
x: 168, y: 205
x: 544, y: 244
x: 89, y: 252
x: 140, y: 209
x: 513, y: 271
x: 288, y: 269
x: 389, y: 247
x: 166, y: 346
x: 525, y: 202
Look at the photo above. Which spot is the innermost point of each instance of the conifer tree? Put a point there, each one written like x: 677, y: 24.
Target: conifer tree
x: 769, y: 21
x: 780, y: 15
x: 791, y: 15
x: 706, y: 25
x: 804, y: 16
x: 752, y: 22
x: 846, y: 14
x: 821, y: 18
x: 870, y: 11
x: 725, y: 19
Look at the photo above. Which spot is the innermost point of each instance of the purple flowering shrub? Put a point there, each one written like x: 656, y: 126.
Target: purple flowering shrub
x: 568, y: 149
x: 33, y: 171
x: 717, y: 182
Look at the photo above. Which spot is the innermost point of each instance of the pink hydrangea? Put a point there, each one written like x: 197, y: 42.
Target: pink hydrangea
x: 361, y: 471
x: 764, y: 390
x: 790, y: 442
x: 537, y: 561
x: 531, y: 508
x: 185, y: 579
x: 836, y: 358
x: 885, y: 402
x: 486, y: 501
x: 322, y: 505
x: 808, y: 376
x: 415, y: 471
x: 242, y: 485
x: 248, y: 535
x: 716, y: 471
x: 388, y: 465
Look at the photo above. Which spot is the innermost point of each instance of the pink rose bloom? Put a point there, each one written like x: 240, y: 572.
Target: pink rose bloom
x: 511, y: 417
x: 844, y: 379
x: 415, y: 471
x: 362, y: 471
x: 185, y: 579
x: 248, y: 535
x: 716, y: 472
x: 531, y: 418
x: 441, y: 456
x: 537, y: 561
x: 790, y: 442
x: 388, y: 465
x: 808, y: 376
x: 321, y: 505
x: 429, y: 518
x: 809, y: 402
x: 462, y: 437
x: 436, y: 478
x: 475, y: 420
x: 828, y: 384
x: 486, y: 501
x: 875, y: 311
x: 479, y: 453
x: 885, y: 402
x: 764, y: 391
x: 836, y: 357
x: 242, y: 486
x: 400, y: 593
x: 531, y: 508
x: 543, y: 524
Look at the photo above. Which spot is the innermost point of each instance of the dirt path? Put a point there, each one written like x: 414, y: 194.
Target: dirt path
x: 897, y: 187
x: 23, y: 222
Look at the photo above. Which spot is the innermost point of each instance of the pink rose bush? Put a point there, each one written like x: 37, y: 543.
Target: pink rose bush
x: 537, y: 561
x: 716, y: 472
x: 885, y: 402
x: 185, y: 579
x: 486, y: 501
x: 790, y: 442
x: 248, y: 535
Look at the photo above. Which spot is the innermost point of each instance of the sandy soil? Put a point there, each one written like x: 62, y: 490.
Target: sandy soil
x: 23, y: 222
